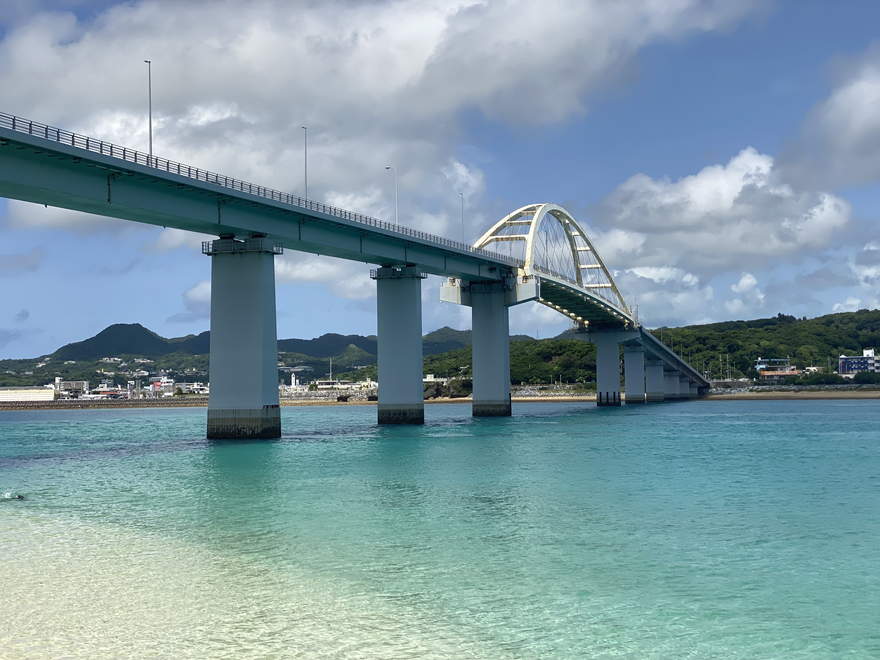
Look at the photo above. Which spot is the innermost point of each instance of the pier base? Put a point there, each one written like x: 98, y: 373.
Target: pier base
x: 399, y: 329
x: 490, y: 350
x: 244, y: 423
x: 244, y: 353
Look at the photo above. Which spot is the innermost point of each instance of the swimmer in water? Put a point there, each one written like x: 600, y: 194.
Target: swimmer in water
x: 9, y: 495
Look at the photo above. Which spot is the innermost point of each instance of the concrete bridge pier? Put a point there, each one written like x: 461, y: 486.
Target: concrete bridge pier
x: 684, y: 387
x: 655, y: 384
x: 399, y: 329
x: 244, y: 352
x: 634, y: 374
x: 670, y: 379
x: 490, y: 350
x: 607, y: 368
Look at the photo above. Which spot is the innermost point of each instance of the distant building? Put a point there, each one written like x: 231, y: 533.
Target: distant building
x: 848, y: 365
x: 71, y: 389
x: 772, y: 370
x: 28, y: 393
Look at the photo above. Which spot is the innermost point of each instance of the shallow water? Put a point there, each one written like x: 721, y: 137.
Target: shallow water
x: 694, y: 529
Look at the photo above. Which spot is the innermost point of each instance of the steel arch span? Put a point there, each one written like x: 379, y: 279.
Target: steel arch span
x: 556, y: 252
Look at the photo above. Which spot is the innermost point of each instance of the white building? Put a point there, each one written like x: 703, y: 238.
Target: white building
x: 28, y: 393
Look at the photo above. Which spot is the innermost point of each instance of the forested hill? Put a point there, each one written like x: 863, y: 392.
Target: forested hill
x: 135, y: 339
x: 808, y: 342
x: 711, y: 347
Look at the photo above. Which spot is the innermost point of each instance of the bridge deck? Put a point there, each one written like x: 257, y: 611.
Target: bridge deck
x: 47, y: 165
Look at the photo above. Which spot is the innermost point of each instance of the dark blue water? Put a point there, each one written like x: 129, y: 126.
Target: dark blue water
x: 696, y: 529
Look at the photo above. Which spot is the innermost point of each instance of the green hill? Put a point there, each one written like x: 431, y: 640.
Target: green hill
x: 131, y: 339
x: 709, y: 347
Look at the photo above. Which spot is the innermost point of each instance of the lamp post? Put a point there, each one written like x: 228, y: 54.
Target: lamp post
x: 305, y: 160
x: 396, y: 194
x: 461, y: 197
x: 149, y: 64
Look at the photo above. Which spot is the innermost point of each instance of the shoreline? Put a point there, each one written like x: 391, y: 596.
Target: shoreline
x: 202, y: 402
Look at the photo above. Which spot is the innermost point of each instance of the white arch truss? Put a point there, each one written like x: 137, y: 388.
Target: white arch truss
x: 551, y: 242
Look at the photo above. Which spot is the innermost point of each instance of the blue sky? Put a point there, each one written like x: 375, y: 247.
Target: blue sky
x: 720, y: 154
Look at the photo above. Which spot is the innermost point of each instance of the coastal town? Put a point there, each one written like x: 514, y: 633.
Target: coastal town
x: 297, y: 385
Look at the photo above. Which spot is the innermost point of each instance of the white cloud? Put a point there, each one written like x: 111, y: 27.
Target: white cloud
x: 747, y: 283
x: 665, y: 295
x: 38, y: 216
x: 377, y: 83
x: 851, y: 304
x: 15, y: 264
x: 197, y: 303
x: 723, y: 217
x: 346, y: 279
x: 170, y: 239
x: 840, y: 139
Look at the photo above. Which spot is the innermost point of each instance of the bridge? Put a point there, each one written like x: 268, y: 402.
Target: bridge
x: 538, y: 252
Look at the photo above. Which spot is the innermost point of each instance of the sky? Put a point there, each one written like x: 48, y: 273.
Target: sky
x: 723, y: 157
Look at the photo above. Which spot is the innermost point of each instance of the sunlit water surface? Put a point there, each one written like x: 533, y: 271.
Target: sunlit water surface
x: 684, y: 530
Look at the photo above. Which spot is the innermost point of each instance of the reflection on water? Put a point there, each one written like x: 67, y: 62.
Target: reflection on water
x: 700, y: 529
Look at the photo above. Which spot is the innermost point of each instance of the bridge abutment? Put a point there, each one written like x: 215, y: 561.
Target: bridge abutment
x: 490, y: 350
x: 655, y: 384
x: 634, y: 374
x: 243, y: 401
x: 399, y: 329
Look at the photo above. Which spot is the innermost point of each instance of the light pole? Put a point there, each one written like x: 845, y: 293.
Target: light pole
x: 149, y: 64
x: 461, y: 197
x: 306, y: 159
x: 396, y: 195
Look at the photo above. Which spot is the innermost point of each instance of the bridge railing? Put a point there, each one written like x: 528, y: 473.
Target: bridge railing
x: 127, y: 154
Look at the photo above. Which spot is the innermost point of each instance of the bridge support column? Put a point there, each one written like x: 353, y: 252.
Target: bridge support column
x: 695, y: 390
x: 634, y: 374
x: 684, y: 387
x: 244, y: 352
x: 607, y: 368
x: 655, y: 385
x: 490, y: 350
x: 671, y: 385
x: 399, y: 329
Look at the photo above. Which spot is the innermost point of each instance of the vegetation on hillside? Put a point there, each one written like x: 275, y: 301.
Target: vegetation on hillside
x: 567, y: 358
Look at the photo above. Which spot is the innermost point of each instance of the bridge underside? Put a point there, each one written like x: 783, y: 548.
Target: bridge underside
x: 578, y: 306
x: 71, y: 178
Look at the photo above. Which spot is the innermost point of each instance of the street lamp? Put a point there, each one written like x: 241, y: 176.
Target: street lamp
x: 306, y: 160
x: 396, y: 194
x: 461, y: 197
x: 149, y: 64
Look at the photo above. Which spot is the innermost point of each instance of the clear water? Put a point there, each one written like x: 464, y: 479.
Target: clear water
x: 684, y: 530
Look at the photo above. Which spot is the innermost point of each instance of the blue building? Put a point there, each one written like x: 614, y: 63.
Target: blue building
x: 853, y: 364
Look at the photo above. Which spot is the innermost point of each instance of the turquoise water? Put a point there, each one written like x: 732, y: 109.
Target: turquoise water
x: 685, y: 530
